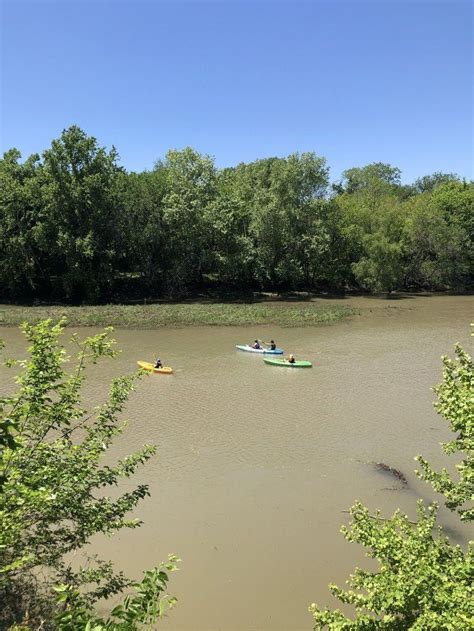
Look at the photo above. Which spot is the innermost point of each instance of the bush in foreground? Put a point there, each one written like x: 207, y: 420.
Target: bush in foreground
x: 54, y: 497
x: 422, y: 581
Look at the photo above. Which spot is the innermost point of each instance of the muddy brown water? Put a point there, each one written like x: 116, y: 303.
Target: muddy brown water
x: 256, y: 463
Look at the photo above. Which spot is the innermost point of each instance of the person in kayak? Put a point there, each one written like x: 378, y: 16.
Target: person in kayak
x: 256, y: 344
x: 271, y: 344
x: 158, y: 363
x: 291, y: 359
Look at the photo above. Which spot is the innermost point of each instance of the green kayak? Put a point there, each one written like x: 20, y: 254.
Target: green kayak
x: 286, y: 363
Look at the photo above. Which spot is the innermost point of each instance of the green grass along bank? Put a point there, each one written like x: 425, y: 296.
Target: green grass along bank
x: 181, y: 315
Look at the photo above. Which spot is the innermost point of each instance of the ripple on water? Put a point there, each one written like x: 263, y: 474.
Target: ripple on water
x: 256, y: 463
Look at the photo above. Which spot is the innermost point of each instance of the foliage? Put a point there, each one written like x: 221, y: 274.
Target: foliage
x: 56, y: 492
x: 191, y: 185
x: 435, y: 246
x: 455, y: 200
x: 422, y: 581
x: 380, y: 268
x: 79, y: 204
x: 20, y: 221
x: 456, y: 405
x: 376, y: 176
x: 428, y: 183
x: 76, y: 227
x: 282, y: 195
x: 144, y: 608
x: 190, y: 314
x: 142, y: 233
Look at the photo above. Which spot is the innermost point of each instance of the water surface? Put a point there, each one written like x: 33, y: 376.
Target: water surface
x: 256, y: 463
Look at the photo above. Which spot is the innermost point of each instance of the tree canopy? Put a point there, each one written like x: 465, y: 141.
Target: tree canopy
x: 75, y: 226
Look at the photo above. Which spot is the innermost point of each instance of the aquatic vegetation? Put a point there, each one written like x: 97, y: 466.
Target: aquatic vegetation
x: 181, y: 315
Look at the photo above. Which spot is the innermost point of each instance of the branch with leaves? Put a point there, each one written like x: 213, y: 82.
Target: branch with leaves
x: 54, y: 480
x: 422, y: 582
x: 456, y: 405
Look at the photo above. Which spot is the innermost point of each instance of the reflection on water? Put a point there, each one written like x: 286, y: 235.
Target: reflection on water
x: 256, y: 463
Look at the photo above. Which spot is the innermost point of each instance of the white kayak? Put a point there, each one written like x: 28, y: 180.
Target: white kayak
x: 262, y: 351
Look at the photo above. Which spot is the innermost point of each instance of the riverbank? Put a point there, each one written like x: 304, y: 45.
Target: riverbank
x: 181, y: 315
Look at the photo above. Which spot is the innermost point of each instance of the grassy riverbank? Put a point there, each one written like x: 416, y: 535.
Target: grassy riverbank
x: 181, y: 315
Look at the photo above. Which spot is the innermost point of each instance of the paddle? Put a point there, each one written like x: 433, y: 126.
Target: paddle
x: 265, y: 343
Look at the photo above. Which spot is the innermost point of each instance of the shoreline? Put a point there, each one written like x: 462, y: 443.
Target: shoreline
x: 286, y: 313
x: 181, y: 315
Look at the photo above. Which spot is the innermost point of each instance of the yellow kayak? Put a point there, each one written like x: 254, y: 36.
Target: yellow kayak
x: 165, y: 370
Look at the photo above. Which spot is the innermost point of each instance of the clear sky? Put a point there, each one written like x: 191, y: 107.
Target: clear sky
x: 354, y: 81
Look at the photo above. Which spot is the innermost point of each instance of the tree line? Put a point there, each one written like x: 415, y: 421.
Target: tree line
x: 75, y: 226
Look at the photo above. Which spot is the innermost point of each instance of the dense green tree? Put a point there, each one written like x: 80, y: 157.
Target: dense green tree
x: 456, y: 201
x: 80, y: 209
x: 371, y: 222
x: 434, y: 246
x: 75, y: 226
x: 378, y: 176
x: 142, y: 235
x: 422, y: 582
x: 309, y: 239
x: 231, y: 249
x: 333, y: 265
x: 281, y: 194
x: 380, y: 269
x: 191, y: 183
x: 20, y: 221
x: 428, y: 183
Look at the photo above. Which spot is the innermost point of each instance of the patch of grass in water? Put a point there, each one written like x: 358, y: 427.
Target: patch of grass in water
x: 181, y: 315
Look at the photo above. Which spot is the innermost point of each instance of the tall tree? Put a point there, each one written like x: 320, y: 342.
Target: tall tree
x: 142, y: 235
x: 456, y: 201
x: 75, y: 226
x: 21, y: 220
x: 231, y: 249
x: 428, y: 183
x: 281, y: 193
x: 371, y: 222
x: 191, y: 181
x: 81, y: 210
x: 377, y: 176
x: 434, y: 246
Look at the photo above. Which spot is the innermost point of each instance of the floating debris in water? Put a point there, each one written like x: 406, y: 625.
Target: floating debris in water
x: 385, y: 468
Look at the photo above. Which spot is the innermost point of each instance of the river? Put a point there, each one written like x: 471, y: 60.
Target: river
x: 257, y: 463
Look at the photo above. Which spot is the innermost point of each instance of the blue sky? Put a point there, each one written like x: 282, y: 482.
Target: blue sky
x: 354, y: 81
